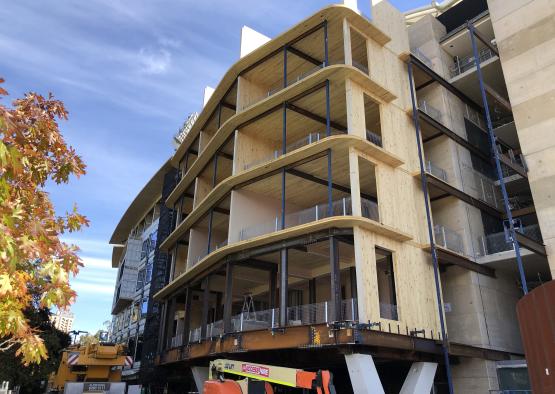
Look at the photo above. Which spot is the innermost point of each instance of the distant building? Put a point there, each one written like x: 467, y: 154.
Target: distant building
x: 63, y: 320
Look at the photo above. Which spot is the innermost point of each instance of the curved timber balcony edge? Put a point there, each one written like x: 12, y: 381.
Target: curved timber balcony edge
x: 334, y: 72
x: 327, y: 223
x: 224, y: 187
x: 331, y: 12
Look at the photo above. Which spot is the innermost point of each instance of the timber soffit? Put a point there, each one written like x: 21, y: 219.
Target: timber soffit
x: 335, y: 72
x: 144, y: 200
x: 333, y: 222
x: 292, y: 158
x: 327, y: 13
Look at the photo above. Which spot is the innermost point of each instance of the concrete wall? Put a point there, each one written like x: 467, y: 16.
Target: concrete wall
x: 525, y: 34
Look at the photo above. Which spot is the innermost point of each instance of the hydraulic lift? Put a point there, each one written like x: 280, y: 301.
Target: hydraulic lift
x: 259, y: 378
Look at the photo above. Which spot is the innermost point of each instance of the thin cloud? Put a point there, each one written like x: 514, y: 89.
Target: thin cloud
x: 154, y: 61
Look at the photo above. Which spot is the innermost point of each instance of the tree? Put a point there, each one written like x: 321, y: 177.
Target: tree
x: 31, y: 378
x: 33, y: 259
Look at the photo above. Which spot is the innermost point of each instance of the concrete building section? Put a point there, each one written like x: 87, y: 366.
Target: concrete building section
x: 63, y: 320
x: 363, y: 374
x: 299, y: 217
x: 420, y: 378
x: 525, y: 34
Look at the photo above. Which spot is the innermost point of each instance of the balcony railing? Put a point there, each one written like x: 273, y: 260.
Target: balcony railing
x: 501, y: 242
x: 430, y: 110
x: 480, y: 186
x: 374, y: 138
x: 312, y: 137
x: 420, y: 55
x: 469, y: 62
x: 437, y: 171
x: 279, y: 86
x: 318, y: 313
x: 340, y: 207
x: 449, y: 239
x: 361, y: 67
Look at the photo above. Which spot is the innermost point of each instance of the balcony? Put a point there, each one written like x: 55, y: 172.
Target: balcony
x: 420, y: 55
x: 469, y: 62
x: 299, y: 315
x: 501, y: 242
x: 431, y: 111
x: 342, y: 207
x: 449, y: 239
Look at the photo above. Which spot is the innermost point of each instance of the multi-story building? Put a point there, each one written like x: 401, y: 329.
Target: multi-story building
x: 362, y: 195
x: 133, y: 255
x: 63, y: 320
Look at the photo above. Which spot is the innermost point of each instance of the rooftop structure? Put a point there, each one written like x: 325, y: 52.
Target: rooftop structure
x: 63, y: 320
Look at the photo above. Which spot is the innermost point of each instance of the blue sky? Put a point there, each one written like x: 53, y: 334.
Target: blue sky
x: 129, y: 72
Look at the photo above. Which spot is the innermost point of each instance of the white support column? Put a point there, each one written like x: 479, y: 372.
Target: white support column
x: 420, y: 378
x: 200, y: 374
x: 251, y: 39
x: 363, y: 373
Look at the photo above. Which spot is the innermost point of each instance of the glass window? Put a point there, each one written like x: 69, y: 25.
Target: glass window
x: 386, y: 284
x: 144, y: 306
x: 148, y: 275
x: 140, y: 279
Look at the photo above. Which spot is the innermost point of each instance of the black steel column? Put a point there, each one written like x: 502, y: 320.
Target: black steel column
x: 354, y: 291
x: 285, y: 66
x: 335, y: 275
x: 328, y: 109
x: 312, y: 297
x: 283, y: 287
x: 187, y: 319
x: 353, y: 279
x: 495, y: 155
x: 283, y: 173
x: 205, y: 300
x: 162, y: 327
x: 330, y: 186
x: 228, y: 301
x: 326, y: 60
x: 170, y: 316
x: 272, y: 288
x: 424, y: 182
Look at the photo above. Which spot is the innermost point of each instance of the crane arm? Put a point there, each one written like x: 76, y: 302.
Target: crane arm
x: 320, y: 381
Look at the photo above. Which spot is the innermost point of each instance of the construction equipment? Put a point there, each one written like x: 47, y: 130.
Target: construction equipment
x: 93, y: 362
x: 259, y: 377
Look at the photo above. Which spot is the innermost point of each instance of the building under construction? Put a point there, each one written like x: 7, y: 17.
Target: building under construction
x: 369, y: 194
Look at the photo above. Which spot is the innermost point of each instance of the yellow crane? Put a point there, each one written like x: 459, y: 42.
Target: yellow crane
x: 259, y: 378
x: 94, y: 362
